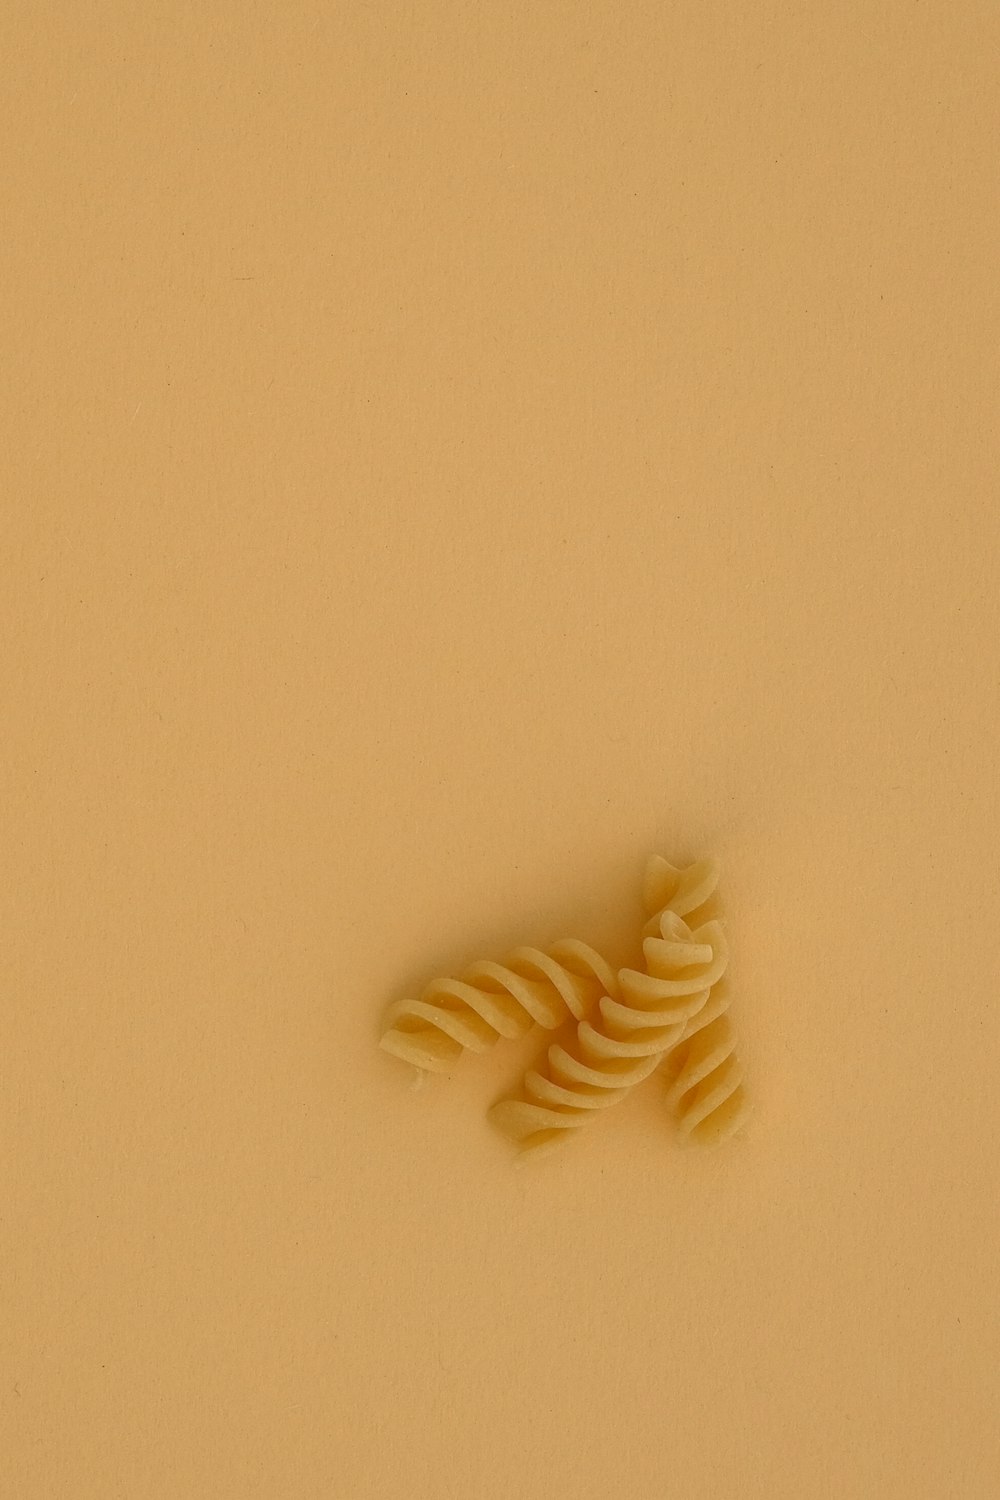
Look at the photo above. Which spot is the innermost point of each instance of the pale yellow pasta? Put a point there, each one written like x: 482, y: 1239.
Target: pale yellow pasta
x: 494, y: 1000
x: 705, y: 1075
x: 628, y: 1036
x: 689, y: 893
x: 703, y: 1072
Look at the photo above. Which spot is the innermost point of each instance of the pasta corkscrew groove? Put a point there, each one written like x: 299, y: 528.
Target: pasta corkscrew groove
x: 631, y: 1032
x: 493, y: 1000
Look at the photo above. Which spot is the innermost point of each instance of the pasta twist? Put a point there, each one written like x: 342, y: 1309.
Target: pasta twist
x: 494, y: 1000
x: 627, y: 1039
x: 704, y: 1074
x: 688, y: 893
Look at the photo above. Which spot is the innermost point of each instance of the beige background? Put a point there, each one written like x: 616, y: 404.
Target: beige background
x: 449, y: 452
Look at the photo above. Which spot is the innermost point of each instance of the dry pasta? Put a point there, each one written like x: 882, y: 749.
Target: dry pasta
x: 629, y: 1035
x: 705, y: 1075
x: 494, y: 1000
x: 703, y: 1072
x: 689, y: 893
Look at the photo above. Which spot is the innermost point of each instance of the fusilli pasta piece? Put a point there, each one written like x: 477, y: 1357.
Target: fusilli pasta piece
x: 628, y: 1037
x: 689, y: 893
x: 494, y: 1000
x: 703, y: 1072
x: 705, y: 1075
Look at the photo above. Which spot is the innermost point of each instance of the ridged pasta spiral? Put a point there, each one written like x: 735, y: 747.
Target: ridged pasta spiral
x: 703, y: 1072
x: 628, y: 1037
x: 705, y: 1076
x: 689, y: 893
x: 494, y: 1000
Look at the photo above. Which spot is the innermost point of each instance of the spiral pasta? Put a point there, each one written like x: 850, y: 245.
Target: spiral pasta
x: 494, y: 1000
x: 628, y: 1037
x: 689, y: 893
x: 705, y: 1075
x: 703, y: 1072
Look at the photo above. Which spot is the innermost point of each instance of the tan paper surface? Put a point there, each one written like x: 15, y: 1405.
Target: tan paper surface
x: 450, y: 451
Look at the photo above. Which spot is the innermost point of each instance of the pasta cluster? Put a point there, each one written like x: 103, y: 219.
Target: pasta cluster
x: 621, y: 1026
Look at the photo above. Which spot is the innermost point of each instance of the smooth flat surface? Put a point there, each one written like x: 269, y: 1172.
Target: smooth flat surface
x: 449, y: 452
